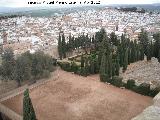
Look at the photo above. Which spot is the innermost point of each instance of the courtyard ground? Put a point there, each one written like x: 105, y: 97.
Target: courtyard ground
x: 73, y: 97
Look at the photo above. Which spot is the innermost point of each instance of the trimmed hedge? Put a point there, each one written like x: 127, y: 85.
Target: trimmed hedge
x: 117, y: 81
x: 69, y: 67
x: 130, y: 84
x: 144, y: 89
x: 65, y: 66
x: 154, y: 92
x: 74, y: 67
x: 104, y: 78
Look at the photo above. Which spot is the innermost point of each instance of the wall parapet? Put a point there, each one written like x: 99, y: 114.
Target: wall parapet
x: 152, y: 112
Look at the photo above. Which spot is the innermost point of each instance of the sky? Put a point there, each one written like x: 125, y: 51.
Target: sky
x: 24, y: 3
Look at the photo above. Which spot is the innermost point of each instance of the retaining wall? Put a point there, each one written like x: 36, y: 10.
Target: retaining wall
x: 10, y: 113
x: 151, y: 112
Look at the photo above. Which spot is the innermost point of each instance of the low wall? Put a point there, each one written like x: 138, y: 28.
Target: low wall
x: 151, y: 112
x: 10, y: 113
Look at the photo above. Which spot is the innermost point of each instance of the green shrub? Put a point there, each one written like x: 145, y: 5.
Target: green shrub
x: 117, y: 81
x: 74, y: 67
x: 136, y: 89
x: 143, y: 89
x: 103, y: 78
x: 78, y: 71
x: 155, y: 91
x: 65, y: 66
x: 83, y: 72
x: 130, y: 84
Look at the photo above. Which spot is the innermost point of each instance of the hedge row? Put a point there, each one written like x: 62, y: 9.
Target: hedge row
x: 69, y: 67
x: 143, y: 88
x: 73, y: 67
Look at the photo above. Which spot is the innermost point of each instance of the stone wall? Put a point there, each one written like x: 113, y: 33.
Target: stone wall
x: 151, y: 112
x: 10, y: 113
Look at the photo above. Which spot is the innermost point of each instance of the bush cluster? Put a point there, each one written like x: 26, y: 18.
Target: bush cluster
x: 69, y: 66
x: 143, y: 88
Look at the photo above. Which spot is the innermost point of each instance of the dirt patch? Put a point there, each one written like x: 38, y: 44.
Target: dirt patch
x: 74, y: 97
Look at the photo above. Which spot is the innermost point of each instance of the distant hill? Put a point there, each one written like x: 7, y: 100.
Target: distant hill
x: 52, y: 11
x: 44, y: 11
x: 149, y: 7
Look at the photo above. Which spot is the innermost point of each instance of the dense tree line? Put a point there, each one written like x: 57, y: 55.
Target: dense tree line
x: 64, y: 46
x: 26, y: 66
x: 9, y: 16
x: 131, y: 9
x: 156, y: 46
x: 108, y: 53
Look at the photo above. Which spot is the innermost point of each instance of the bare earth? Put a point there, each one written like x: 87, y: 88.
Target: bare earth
x: 74, y: 97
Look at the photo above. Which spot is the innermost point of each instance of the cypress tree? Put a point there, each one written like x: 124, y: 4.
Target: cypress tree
x: 141, y: 53
x: 82, y: 61
x: 102, y: 71
x: 99, y: 57
x: 159, y: 56
x: 113, y: 39
x: 73, y: 46
x: 113, y: 69
x: 28, y: 110
x: 60, y: 47
x: 149, y: 53
x: 156, y: 44
x: 117, y: 66
x: 63, y: 46
x: 152, y: 49
x: 92, y: 66
x: 97, y: 65
x: 125, y: 64
x: 86, y: 68
x: 121, y: 54
x: 144, y: 40
x: 109, y: 57
x: 133, y: 52
x: 70, y: 44
x: 106, y: 62
x: 129, y: 56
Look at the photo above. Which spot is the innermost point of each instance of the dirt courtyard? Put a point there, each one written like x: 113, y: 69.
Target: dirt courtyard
x: 73, y: 97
